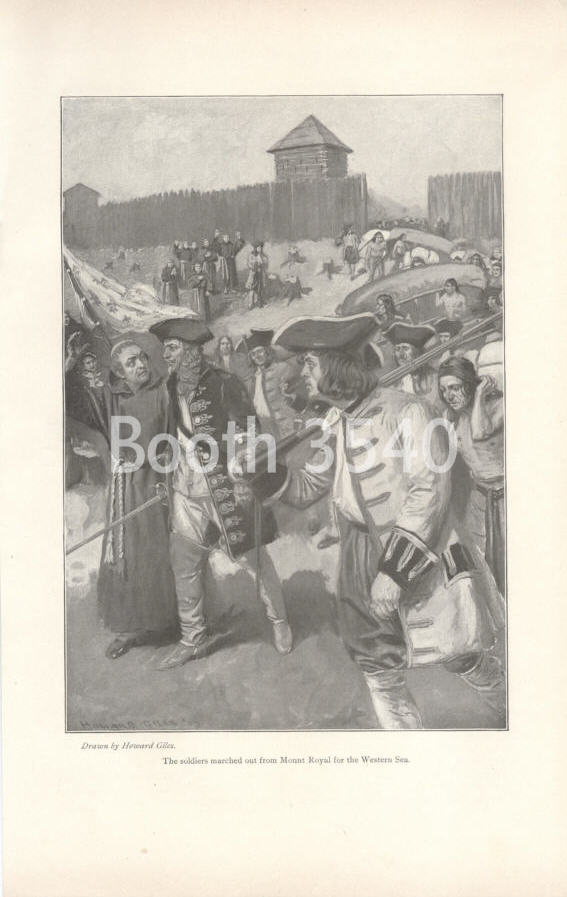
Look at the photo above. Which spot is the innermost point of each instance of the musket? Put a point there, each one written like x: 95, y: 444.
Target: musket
x: 285, y: 445
x: 161, y: 497
x: 463, y: 337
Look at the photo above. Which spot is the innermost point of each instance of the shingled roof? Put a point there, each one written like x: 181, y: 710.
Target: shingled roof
x: 311, y: 132
x: 80, y: 186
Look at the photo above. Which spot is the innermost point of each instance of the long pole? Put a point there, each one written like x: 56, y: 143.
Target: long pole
x: 285, y: 445
x: 453, y: 343
x: 160, y: 497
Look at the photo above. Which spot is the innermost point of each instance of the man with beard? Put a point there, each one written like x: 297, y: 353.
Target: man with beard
x: 205, y: 508
x: 403, y: 573
x: 476, y: 408
x: 136, y: 591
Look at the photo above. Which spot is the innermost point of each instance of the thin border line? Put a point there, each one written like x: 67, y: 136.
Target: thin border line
x: 109, y: 731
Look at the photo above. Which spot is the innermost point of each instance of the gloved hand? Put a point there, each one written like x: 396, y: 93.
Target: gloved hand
x: 385, y: 596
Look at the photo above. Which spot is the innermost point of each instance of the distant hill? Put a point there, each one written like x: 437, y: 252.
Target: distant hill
x: 382, y: 207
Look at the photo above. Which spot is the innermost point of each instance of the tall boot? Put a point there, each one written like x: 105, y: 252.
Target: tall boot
x: 188, y: 564
x: 392, y: 701
x: 487, y: 678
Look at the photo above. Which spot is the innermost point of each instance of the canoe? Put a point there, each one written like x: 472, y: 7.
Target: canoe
x: 415, y: 290
x: 422, y: 238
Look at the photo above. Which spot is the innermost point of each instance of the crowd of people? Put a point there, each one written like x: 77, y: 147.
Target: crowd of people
x: 203, y: 269
x: 392, y: 526
x: 210, y: 268
x: 378, y: 254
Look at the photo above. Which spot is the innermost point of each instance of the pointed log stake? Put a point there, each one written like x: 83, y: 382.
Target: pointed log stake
x: 161, y: 496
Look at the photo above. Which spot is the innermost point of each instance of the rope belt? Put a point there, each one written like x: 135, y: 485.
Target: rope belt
x: 115, y: 541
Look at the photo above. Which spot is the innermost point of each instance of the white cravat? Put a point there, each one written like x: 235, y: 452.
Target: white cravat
x: 344, y: 496
x: 189, y: 469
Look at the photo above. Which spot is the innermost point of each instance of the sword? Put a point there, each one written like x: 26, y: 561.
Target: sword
x: 161, y: 497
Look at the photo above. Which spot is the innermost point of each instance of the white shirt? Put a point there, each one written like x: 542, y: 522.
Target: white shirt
x: 407, y: 384
x: 343, y: 490
x: 260, y: 401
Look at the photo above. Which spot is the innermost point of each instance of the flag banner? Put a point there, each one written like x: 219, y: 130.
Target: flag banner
x: 101, y: 299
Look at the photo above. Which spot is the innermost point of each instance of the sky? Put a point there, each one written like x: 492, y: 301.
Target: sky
x: 134, y: 146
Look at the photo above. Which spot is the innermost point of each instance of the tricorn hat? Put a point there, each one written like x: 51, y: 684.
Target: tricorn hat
x: 414, y: 334
x: 445, y: 325
x: 320, y: 333
x: 190, y: 330
x: 258, y: 338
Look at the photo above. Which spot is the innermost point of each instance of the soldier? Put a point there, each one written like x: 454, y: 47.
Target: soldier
x: 446, y: 330
x: 409, y: 342
x: 204, y: 506
x: 476, y: 408
x: 268, y: 385
x: 403, y: 572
